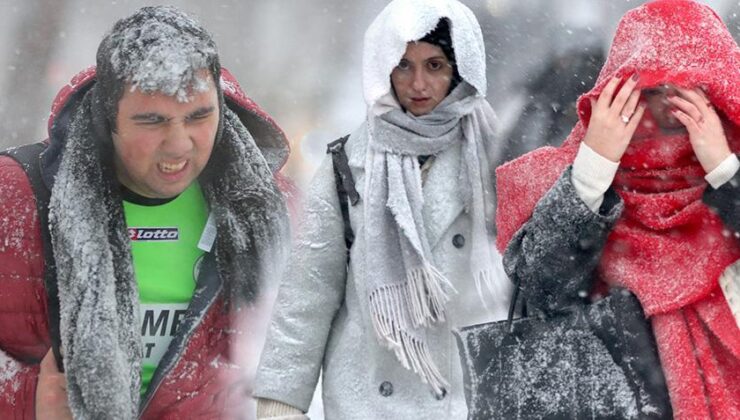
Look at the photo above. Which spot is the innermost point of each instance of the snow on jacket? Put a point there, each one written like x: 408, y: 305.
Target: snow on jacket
x: 319, y: 324
x: 674, y: 237
x: 200, y: 376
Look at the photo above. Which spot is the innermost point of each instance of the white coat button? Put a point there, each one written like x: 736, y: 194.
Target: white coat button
x: 386, y: 389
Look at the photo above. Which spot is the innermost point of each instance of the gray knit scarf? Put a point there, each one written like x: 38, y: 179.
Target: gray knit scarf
x: 99, y: 325
x: 407, y: 291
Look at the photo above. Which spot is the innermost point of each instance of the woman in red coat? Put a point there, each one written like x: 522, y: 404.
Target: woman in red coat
x: 644, y: 194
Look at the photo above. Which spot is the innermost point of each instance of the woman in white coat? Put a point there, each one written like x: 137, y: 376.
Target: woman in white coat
x: 423, y: 261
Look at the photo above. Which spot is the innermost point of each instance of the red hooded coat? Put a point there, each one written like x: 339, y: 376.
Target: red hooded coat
x: 668, y: 247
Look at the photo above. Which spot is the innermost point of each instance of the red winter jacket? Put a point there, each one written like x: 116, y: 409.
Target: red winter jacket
x: 204, y: 381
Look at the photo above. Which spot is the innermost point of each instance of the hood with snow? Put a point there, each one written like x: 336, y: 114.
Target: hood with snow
x: 403, y: 21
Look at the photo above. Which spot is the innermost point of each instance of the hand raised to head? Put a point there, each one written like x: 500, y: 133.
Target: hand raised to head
x: 707, y: 136
x: 614, y: 119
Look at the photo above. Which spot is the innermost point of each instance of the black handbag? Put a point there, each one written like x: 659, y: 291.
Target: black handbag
x: 590, y: 361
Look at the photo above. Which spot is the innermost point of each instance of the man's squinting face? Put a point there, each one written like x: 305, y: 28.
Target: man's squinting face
x: 422, y: 78
x: 162, y: 145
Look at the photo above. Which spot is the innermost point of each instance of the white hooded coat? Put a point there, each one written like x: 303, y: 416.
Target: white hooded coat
x: 320, y: 319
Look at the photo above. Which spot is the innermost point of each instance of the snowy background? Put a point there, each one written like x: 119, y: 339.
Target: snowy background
x: 299, y: 59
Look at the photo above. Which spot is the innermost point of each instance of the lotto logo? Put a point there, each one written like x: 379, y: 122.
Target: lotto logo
x: 154, y: 234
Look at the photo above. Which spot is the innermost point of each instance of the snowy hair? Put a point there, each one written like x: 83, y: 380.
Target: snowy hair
x: 156, y: 49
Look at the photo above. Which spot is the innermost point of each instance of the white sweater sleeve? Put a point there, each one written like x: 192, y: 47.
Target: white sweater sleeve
x: 276, y: 410
x: 724, y: 172
x: 592, y: 175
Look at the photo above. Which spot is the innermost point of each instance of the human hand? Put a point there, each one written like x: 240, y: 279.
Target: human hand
x: 614, y: 119
x: 707, y: 137
x: 51, y: 391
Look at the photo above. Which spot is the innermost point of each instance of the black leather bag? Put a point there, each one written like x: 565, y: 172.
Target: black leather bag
x: 589, y: 361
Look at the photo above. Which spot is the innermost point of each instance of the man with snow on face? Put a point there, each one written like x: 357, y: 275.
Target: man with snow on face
x: 163, y: 215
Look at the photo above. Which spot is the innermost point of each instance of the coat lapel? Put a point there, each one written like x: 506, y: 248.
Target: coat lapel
x: 442, y: 201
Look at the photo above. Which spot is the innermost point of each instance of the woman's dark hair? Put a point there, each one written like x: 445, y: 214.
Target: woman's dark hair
x: 441, y: 37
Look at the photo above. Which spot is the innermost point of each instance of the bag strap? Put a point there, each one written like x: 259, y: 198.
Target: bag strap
x: 345, y: 186
x: 29, y: 158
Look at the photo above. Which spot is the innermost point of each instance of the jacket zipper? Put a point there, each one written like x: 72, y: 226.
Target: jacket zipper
x: 178, y: 355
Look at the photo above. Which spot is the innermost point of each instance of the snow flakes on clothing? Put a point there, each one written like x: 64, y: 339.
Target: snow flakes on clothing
x: 9, y: 369
x: 403, y: 21
x: 12, y: 228
x: 98, y: 297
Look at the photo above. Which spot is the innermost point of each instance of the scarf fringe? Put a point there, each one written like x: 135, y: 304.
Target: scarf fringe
x: 420, y: 301
x: 411, y: 352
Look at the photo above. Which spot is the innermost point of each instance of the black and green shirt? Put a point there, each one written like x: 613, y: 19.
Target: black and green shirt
x: 164, y: 237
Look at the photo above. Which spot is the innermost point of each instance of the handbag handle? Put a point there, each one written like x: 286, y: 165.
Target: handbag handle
x: 512, y: 305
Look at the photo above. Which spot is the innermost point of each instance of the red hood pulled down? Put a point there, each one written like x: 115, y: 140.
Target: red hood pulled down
x: 269, y: 137
x: 677, y: 247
